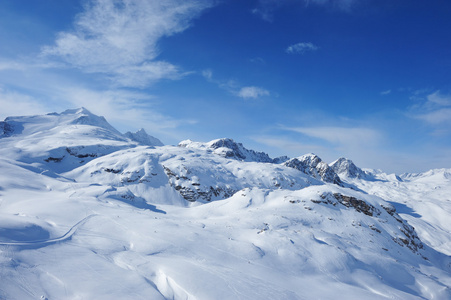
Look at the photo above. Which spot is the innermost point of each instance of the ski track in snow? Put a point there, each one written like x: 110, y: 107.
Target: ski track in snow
x: 40, y: 243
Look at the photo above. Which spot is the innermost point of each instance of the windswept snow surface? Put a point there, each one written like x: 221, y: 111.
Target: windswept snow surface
x: 140, y: 222
x: 423, y: 199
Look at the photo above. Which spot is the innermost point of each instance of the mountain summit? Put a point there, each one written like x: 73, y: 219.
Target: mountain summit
x: 70, y: 138
x: 345, y: 167
x: 312, y: 165
x: 228, y: 148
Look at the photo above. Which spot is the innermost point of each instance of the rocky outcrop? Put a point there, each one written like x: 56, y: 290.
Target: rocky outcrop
x: 191, y: 190
x: 406, y: 237
x: 312, y: 165
x: 359, y: 205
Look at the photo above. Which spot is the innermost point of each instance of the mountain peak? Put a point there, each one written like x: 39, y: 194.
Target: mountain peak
x: 228, y: 148
x: 345, y: 167
x: 143, y: 138
x: 311, y: 164
x: 77, y: 111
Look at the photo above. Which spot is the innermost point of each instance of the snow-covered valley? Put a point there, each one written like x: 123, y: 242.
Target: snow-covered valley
x: 89, y: 213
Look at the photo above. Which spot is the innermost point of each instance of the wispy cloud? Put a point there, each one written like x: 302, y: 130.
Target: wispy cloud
x: 23, y: 65
x: 344, y: 5
x: 341, y: 136
x: 252, y: 92
x: 301, y: 48
x: 120, y: 106
x: 439, y: 99
x: 387, y: 92
x: 120, y: 38
x: 363, y: 145
x: 233, y: 87
x: 437, y: 117
x: 124, y: 109
x: 287, y: 146
x: 258, y: 61
x: 434, y: 108
x: 265, y: 8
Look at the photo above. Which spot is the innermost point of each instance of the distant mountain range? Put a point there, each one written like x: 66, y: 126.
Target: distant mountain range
x: 88, y: 212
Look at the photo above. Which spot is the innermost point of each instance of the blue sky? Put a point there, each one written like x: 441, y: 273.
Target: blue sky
x: 369, y: 80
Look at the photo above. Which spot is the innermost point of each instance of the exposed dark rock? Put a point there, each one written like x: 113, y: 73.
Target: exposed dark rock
x: 111, y: 170
x: 359, y: 205
x: 312, y: 165
x: 74, y: 152
x: 54, y: 159
x: 193, y: 191
x: 5, y: 129
x: 228, y: 148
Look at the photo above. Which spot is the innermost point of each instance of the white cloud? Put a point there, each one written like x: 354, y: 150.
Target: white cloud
x: 437, y: 117
x: 387, y: 92
x: 208, y: 74
x: 342, y: 136
x: 124, y: 109
x: 439, y: 99
x: 252, y: 92
x: 232, y: 86
x: 301, y: 48
x: 120, y: 38
x: 286, y: 146
x: 435, y: 110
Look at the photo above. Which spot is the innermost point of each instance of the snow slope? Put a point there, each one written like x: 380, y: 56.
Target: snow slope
x: 143, y: 222
x: 74, y: 136
x: 423, y: 199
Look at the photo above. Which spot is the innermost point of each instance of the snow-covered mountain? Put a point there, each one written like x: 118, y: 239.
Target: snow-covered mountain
x: 345, y: 167
x: 228, y: 148
x: 89, y: 213
x: 312, y: 165
x: 73, y: 137
x: 143, y: 138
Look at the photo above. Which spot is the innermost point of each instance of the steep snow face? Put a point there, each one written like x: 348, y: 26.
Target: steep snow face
x: 143, y: 138
x: 345, y: 167
x: 312, y: 165
x: 228, y: 148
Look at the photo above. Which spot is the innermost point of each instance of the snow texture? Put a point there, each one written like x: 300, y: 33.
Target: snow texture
x: 89, y: 213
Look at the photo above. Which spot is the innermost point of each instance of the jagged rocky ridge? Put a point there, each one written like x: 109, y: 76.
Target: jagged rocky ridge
x: 228, y: 148
x: 312, y: 165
